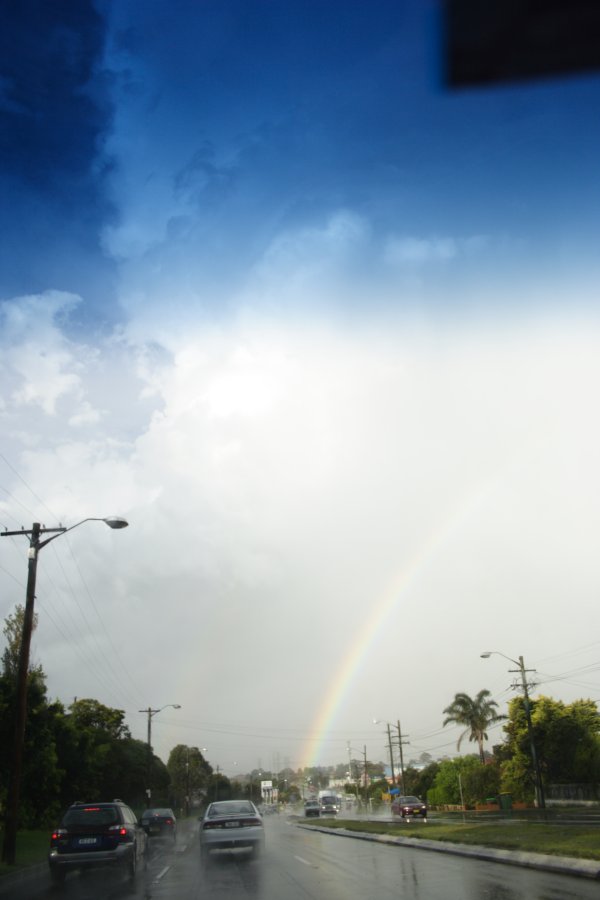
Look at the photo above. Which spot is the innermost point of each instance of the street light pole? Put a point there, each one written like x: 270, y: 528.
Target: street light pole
x: 13, y: 795
x: 521, y: 670
x: 151, y: 713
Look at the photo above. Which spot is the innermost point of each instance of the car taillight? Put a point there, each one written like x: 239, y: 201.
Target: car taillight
x: 168, y: 821
x: 211, y: 825
x: 251, y: 822
x: 122, y: 833
x: 57, y: 834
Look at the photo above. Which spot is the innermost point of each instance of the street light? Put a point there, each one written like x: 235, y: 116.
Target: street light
x: 9, y: 846
x: 153, y: 712
x: 539, y: 787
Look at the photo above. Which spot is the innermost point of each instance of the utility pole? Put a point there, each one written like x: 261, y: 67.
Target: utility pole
x: 539, y: 787
x: 389, y: 733
x: 150, y: 712
x: 521, y: 670
x: 366, y: 776
x: 400, y: 743
x: 13, y: 793
x: 187, y: 783
x: 9, y: 847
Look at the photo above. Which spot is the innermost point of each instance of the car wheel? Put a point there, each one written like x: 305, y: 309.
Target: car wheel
x: 132, y: 867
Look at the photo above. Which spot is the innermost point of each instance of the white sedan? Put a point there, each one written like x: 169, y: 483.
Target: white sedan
x: 229, y: 824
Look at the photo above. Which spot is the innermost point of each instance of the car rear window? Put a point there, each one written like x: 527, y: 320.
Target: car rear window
x: 230, y: 809
x: 92, y: 815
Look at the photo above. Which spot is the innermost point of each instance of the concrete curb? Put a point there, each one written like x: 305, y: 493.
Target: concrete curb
x: 565, y: 865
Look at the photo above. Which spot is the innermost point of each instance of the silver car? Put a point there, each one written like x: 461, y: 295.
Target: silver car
x: 229, y: 824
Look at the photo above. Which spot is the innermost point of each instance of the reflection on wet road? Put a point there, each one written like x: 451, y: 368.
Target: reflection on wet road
x: 300, y: 864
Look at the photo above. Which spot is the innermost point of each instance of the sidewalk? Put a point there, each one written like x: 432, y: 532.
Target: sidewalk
x: 565, y: 865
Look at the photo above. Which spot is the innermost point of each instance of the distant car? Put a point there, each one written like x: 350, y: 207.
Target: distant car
x: 231, y: 824
x: 312, y: 808
x: 329, y: 806
x: 409, y: 808
x: 95, y: 835
x: 160, y: 822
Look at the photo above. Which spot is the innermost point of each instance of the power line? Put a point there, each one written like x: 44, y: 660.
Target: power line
x: 89, y: 593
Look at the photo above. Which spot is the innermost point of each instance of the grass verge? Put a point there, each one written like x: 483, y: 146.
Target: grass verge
x: 557, y: 840
x: 32, y: 848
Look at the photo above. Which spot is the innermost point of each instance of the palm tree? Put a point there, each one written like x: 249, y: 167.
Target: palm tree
x: 477, y: 714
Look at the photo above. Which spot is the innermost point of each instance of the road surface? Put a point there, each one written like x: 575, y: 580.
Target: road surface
x: 300, y: 864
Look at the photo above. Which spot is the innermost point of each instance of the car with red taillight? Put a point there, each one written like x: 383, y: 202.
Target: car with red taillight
x: 97, y: 835
x: 408, y: 808
x: 231, y: 825
x: 159, y: 823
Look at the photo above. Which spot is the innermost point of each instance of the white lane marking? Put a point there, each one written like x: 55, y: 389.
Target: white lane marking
x: 161, y: 874
x: 305, y: 861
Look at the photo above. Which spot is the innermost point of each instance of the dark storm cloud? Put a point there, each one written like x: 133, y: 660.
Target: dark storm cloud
x: 54, y: 112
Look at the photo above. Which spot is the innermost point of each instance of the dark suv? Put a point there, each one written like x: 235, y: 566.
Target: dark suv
x: 93, y: 835
x: 160, y: 823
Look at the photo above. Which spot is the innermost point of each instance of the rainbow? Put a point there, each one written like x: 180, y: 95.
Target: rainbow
x: 367, y: 634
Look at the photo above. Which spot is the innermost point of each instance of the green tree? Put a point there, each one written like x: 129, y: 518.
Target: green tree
x: 567, y: 741
x: 476, y: 714
x: 13, y: 631
x: 452, y: 774
x: 93, y: 715
x: 100, y: 759
x: 219, y: 787
x: 41, y: 775
x: 419, y: 782
x: 481, y: 782
x: 190, y: 774
x: 376, y: 790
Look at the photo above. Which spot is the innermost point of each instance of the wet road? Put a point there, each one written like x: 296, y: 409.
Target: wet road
x: 304, y: 865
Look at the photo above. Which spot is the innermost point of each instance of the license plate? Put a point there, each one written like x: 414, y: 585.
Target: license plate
x: 154, y: 829
x: 88, y: 841
x: 232, y: 824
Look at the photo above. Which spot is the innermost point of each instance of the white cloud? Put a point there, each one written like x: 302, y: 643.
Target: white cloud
x: 409, y: 250
x: 290, y: 476
x: 36, y: 356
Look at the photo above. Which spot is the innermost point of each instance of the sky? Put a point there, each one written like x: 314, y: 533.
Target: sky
x: 325, y: 331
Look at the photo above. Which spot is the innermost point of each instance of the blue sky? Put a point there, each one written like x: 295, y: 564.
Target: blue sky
x: 301, y: 313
